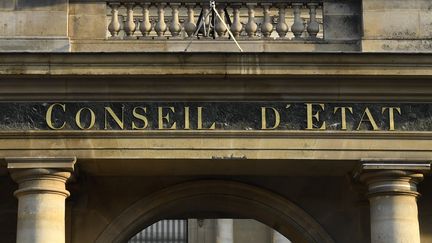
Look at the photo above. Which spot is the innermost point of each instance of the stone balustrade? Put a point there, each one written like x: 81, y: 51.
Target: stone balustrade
x: 284, y: 20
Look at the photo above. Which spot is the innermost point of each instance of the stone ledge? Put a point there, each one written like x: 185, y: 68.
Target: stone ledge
x: 401, y: 46
x: 218, y: 64
x: 34, y: 44
x: 213, y: 45
x: 19, y: 163
x: 375, y: 164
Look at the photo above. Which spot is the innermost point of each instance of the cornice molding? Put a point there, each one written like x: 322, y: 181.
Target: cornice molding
x: 218, y: 64
x: 26, y: 163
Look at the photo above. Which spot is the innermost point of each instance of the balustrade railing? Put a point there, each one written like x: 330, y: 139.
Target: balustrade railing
x: 149, y: 20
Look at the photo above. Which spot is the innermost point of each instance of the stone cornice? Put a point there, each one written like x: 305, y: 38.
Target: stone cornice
x: 58, y: 163
x: 379, y: 164
x: 218, y: 64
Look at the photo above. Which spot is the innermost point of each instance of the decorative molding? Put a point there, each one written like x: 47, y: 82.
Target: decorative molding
x: 214, y: 64
x: 376, y: 164
x: 20, y: 163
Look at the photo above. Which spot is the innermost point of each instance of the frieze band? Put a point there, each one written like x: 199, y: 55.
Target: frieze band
x: 216, y: 116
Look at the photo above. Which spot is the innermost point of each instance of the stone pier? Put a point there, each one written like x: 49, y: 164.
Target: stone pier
x: 392, y: 193
x: 41, y: 197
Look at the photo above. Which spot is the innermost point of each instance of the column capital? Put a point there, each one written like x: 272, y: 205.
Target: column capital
x: 391, y: 182
x: 392, y: 193
x: 39, y: 175
x: 391, y: 177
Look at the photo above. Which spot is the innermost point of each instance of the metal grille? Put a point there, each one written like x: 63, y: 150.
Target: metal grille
x: 164, y: 231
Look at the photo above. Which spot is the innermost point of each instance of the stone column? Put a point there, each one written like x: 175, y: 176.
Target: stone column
x: 393, y: 196
x: 224, y: 231
x: 41, y: 197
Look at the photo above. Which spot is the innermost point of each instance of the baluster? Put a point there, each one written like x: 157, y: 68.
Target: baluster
x: 114, y: 26
x: 313, y: 25
x: 175, y: 26
x: 267, y: 25
x: 282, y: 27
x: 161, y: 26
x: 297, y: 28
x: 206, y: 10
x: 236, y: 27
x: 129, y: 26
x: 251, y: 26
x: 220, y: 27
x: 190, y: 26
x: 146, y: 25
x: 208, y: 19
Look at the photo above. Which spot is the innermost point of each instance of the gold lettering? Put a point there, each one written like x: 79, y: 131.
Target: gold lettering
x: 391, y: 115
x: 264, y: 125
x: 113, y: 115
x: 369, y: 119
x: 162, y: 117
x: 343, y: 115
x: 186, y: 118
x: 311, y: 116
x: 78, y: 118
x: 200, y: 121
x: 48, y: 116
x: 139, y: 116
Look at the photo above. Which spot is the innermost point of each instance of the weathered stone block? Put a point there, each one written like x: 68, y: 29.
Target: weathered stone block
x: 7, y: 23
x: 53, y: 5
x: 7, y: 5
x: 342, y: 20
x: 338, y: 7
x: 33, y: 23
x: 395, y: 24
x: 342, y: 27
x: 87, y: 8
x: 396, y: 4
x: 34, y: 44
x: 426, y: 24
x: 87, y: 20
x: 397, y: 45
x: 87, y: 26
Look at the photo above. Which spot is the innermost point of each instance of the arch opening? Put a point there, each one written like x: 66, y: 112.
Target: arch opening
x: 216, y: 199
x: 220, y: 230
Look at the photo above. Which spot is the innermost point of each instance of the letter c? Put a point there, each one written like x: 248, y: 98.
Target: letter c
x: 48, y: 116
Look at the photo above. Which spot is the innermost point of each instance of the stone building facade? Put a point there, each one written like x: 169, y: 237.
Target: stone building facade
x: 119, y: 121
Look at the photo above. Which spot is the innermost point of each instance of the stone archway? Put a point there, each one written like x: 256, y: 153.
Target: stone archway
x: 228, y: 197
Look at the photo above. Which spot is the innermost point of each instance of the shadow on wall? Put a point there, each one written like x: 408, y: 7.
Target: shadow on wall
x: 425, y: 218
